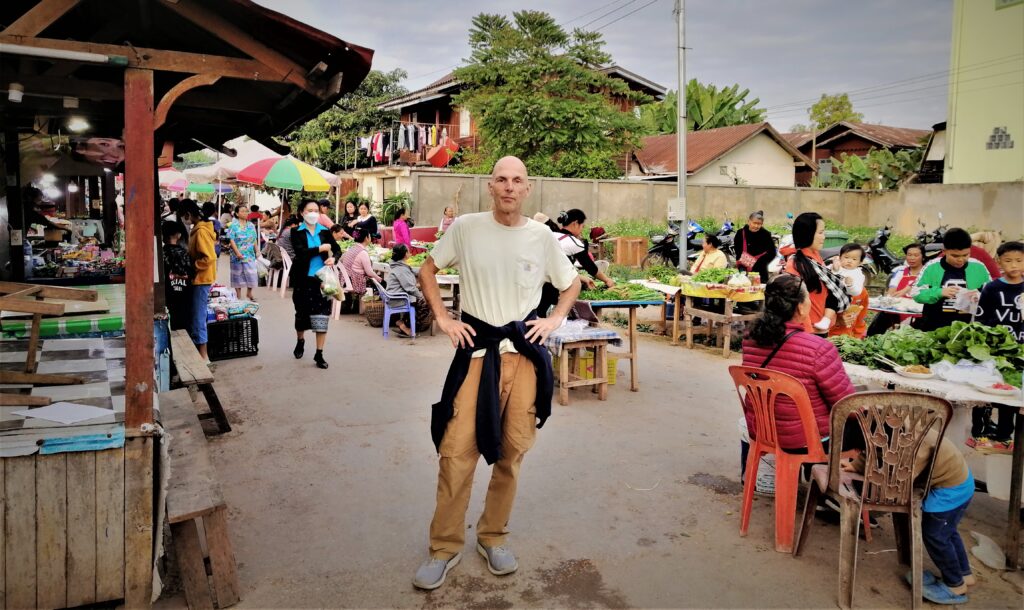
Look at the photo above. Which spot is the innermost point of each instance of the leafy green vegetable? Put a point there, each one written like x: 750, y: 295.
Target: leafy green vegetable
x: 714, y: 276
x: 961, y: 340
x: 622, y: 292
x: 662, y: 273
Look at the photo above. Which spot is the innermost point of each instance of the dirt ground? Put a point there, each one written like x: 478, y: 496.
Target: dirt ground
x: 633, y: 502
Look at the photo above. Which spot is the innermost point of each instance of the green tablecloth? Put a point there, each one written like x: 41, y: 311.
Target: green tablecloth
x: 110, y: 322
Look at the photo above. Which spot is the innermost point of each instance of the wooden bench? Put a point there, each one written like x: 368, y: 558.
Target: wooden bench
x: 194, y: 493
x: 193, y: 372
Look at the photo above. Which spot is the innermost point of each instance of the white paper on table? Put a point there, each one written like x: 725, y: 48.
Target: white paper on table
x: 65, y: 412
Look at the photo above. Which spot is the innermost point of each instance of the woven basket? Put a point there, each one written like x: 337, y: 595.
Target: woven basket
x: 374, y: 313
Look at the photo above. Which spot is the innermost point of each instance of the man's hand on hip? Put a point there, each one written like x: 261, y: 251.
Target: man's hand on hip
x: 542, y: 327
x: 460, y: 333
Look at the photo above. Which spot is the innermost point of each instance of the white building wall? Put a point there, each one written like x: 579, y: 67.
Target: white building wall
x: 761, y: 161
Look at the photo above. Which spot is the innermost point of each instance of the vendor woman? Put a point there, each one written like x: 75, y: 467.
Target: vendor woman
x: 570, y: 239
x: 315, y: 248
x: 755, y: 248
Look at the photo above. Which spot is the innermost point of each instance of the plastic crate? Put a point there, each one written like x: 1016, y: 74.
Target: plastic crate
x: 835, y: 239
x: 233, y: 338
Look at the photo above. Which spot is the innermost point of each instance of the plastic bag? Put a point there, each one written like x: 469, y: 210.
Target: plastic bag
x: 968, y: 371
x: 262, y: 269
x: 330, y: 286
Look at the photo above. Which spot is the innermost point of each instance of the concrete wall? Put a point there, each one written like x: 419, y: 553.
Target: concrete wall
x: 760, y: 161
x: 998, y: 205
x: 985, y: 93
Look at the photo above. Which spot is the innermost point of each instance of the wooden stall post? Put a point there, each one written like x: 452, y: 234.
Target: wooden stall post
x: 140, y: 188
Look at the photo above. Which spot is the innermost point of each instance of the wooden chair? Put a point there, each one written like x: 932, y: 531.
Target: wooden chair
x: 894, y: 425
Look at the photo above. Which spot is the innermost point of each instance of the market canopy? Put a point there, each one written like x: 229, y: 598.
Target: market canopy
x: 221, y: 68
x: 248, y: 151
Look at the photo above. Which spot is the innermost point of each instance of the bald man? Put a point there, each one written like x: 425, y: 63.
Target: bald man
x: 498, y: 389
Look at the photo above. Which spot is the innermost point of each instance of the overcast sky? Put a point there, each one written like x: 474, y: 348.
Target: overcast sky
x: 892, y: 56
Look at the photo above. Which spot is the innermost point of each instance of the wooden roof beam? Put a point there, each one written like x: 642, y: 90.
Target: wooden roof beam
x: 159, y: 60
x: 196, y: 80
x: 40, y: 17
x: 243, y: 41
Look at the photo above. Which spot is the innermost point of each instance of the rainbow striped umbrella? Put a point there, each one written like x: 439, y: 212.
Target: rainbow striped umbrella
x: 284, y: 173
x: 208, y: 187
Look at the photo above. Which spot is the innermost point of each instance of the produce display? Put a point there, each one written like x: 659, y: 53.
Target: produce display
x: 959, y: 341
x: 713, y: 276
x: 662, y: 274
x: 416, y: 260
x: 622, y: 292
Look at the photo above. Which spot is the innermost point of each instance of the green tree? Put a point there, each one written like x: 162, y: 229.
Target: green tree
x: 707, y: 107
x: 535, y: 93
x: 832, y: 109
x: 880, y: 169
x: 328, y: 141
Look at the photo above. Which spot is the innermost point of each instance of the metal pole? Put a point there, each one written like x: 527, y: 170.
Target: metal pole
x: 681, y: 131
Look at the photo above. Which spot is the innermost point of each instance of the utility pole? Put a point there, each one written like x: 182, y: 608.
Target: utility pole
x: 681, y: 134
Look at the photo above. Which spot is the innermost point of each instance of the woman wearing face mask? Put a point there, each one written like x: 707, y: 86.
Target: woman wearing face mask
x: 315, y: 248
x: 755, y: 247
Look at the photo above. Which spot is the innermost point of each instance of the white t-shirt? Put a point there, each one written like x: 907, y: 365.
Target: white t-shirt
x: 857, y: 275
x: 502, y: 269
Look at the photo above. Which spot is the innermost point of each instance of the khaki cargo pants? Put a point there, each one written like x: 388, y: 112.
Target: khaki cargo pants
x: 459, y: 457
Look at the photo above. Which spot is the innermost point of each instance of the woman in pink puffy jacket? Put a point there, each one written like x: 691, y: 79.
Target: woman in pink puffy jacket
x: 811, y: 359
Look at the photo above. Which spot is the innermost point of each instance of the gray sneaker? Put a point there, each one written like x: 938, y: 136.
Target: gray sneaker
x: 500, y: 560
x: 432, y: 572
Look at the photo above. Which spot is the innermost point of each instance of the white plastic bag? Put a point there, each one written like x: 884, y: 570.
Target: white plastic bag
x: 262, y: 268
x: 330, y: 286
x: 968, y: 372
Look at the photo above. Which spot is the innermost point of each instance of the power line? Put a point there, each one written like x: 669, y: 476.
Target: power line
x: 892, y: 93
x: 591, y: 12
x: 616, y: 20
x: 792, y: 113
x: 910, y: 80
x: 600, y: 17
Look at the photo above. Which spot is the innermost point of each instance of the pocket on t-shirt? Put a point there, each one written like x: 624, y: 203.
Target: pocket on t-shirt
x: 529, y: 272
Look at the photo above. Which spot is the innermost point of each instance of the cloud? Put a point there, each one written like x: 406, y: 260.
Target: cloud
x: 784, y: 52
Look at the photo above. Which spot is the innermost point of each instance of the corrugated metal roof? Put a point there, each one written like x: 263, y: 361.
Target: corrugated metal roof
x: 798, y: 138
x: 448, y: 80
x: 659, y: 155
x: 883, y: 135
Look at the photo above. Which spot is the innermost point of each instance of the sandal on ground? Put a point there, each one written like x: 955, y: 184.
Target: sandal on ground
x: 939, y: 593
x: 927, y: 578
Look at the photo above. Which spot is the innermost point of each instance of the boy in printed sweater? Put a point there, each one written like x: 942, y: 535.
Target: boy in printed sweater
x: 945, y: 277
x: 1001, y: 304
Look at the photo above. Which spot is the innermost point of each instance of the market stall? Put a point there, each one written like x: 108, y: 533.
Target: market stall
x: 971, y: 365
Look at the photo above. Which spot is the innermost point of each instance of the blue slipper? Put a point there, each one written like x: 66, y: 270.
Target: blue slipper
x: 939, y: 593
x: 927, y: 578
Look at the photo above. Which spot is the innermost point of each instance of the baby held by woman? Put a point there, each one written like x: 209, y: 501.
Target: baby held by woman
x: 848, y: 267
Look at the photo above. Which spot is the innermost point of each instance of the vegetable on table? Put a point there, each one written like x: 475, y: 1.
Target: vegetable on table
x: 959, y: 341
x: 713, y: 276
x: 622, y: 292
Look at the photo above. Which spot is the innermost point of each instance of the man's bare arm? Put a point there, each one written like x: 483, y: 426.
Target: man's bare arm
x: 461, y: 334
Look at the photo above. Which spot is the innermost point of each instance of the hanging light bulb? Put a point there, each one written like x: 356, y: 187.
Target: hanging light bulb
x: 72, y: 188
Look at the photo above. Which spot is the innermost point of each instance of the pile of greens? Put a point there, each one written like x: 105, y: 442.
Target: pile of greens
x: 714, y: 276
x: 959, y: 341
x: 621, y: 292
x: 662, y: 273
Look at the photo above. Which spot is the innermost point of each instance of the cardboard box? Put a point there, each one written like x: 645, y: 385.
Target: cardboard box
x: 585, y: 367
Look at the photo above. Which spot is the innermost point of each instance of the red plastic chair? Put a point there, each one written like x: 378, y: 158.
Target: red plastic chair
x: 761, y: 388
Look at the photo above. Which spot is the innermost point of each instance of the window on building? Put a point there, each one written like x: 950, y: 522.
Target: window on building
x: 464, y: 122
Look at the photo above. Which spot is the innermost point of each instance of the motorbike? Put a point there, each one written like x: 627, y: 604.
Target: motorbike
x: 883, y: 260
x: 664, y: 249
x: 932, y: 240
x: 726, y: 235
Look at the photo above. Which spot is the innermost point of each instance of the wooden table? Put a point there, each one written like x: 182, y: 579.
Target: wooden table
x: 567, y: 343
x: 451, y: 281
x: 966, y: 396
x: 631, y: 354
